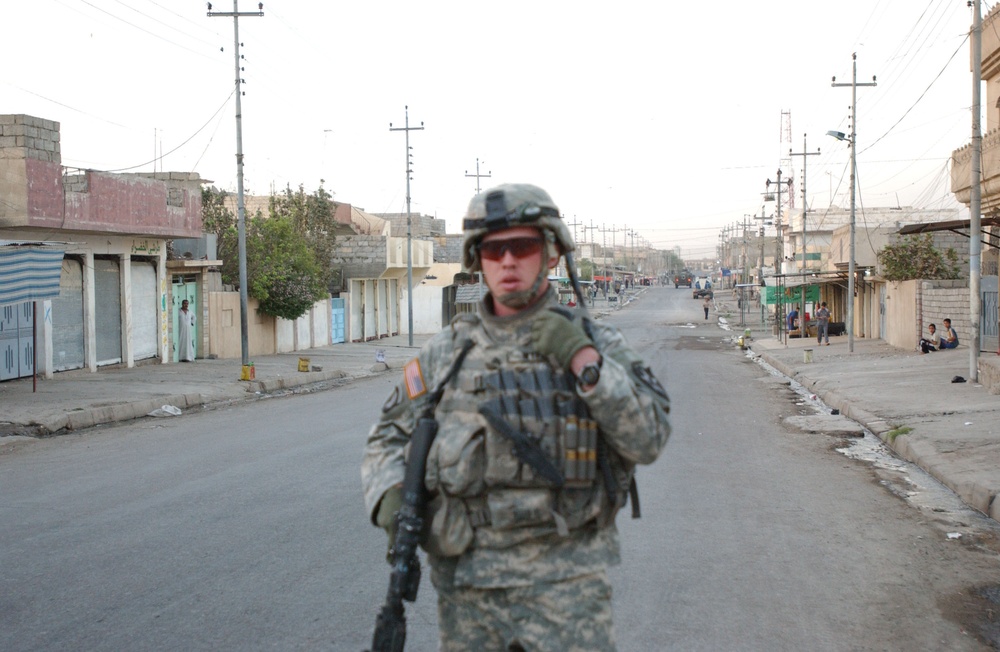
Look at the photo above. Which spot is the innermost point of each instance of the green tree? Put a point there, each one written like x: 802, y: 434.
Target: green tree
x: 313, y: 217
x: 218, y: 219
x: 586, y: 269
x: 286, y: 278
x: 282, y: 271
x: 916, y: 256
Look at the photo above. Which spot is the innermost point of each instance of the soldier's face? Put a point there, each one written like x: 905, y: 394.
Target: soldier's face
x: 511, y: 263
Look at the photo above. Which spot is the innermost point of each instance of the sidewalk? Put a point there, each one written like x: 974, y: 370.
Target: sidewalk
x: 955, y: 427
x: 72, y: 400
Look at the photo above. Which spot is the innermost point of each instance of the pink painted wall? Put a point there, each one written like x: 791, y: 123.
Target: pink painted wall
x: 111, y: 203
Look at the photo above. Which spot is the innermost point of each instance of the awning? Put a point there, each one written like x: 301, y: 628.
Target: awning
x: 29, y: 271
x: 955, y: 226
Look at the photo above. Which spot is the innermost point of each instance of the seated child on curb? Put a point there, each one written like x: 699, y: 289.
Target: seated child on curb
x: 931, y: 342
x: 949, y: 339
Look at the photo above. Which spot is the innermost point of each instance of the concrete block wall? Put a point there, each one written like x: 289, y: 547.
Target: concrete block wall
x: 25, y: 136
x: 940, y: 299
x: 421, y: 226
x: 448, y: 249
x: 360, y: 256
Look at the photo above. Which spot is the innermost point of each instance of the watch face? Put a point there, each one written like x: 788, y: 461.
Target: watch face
x: 590, y: 374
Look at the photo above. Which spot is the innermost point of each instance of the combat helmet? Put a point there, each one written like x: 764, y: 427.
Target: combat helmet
x: 510, y: 205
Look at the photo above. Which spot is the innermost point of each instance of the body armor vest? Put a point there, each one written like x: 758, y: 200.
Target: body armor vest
x: 534, y: 475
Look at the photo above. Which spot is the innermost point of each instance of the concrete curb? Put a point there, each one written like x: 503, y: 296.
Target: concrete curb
x: 297, y: 380
x: 88, y: 418
x: 922, y: 453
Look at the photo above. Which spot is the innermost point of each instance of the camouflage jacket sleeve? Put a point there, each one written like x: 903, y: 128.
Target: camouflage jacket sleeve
x: 628, y: 402
x: 384, y: 461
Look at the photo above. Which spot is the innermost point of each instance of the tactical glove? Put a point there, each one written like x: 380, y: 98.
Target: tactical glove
x: 557, y: 336
x: 386, y: 517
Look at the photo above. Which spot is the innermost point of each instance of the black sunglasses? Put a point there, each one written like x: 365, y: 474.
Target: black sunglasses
x: 518, y: 248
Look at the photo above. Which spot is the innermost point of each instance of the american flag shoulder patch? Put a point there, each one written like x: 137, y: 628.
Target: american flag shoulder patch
x: 413, y: 375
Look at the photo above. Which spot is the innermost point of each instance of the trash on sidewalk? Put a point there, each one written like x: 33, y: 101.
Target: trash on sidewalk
x: 303, y: 364
x: 954, y: 535
x: 165, y: 411
x: 958, y: 379
x: 247, y: 372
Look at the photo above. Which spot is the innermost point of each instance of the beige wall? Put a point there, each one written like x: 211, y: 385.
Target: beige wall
x: 266, y: 335
x: 902, y: 325
x: 225, y: 337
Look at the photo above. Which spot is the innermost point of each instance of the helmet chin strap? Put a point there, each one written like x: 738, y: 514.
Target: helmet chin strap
x: 524, y: 298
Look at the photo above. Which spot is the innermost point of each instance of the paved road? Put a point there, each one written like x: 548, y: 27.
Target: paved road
x: 243, y: 527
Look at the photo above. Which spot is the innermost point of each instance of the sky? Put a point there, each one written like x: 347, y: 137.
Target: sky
x: 663, y: 120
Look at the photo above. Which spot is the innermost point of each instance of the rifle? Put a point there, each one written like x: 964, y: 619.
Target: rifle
x: 404, y: 580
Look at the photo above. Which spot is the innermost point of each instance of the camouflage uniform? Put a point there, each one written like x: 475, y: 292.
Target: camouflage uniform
x: 516, y: 559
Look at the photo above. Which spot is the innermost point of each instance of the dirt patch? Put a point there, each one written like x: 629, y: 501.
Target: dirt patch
x: 977, y: 610
x: 698, y: 344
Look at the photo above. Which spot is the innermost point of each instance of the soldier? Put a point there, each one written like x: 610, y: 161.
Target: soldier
x: 539, y: 431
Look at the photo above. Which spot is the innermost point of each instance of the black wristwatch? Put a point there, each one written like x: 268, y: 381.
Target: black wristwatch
x: 589, y: 374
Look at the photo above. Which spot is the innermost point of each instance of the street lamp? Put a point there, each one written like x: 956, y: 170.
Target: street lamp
x: 839, y: 135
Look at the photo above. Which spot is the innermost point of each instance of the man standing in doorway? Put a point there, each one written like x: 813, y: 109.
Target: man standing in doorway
x: 185, y: 333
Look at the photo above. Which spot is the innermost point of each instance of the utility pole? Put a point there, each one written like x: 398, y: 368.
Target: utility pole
x: 779, y: 305
x: 241, y: 228
x: 805, y: 154
x: 612, y: 230
x: 409, y: 230
x: 477, y: 175
x: 575, y: 224
x: 853, y: 141
x: 589, y: 238
x: 975, y: 202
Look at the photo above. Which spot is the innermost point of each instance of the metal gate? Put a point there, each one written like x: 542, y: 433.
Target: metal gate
x: 337, y: 321
x: 144, y: 310
x: 108, y: 299
x: 16, y: 340
x: 989, y: 327
x: 67, y: 318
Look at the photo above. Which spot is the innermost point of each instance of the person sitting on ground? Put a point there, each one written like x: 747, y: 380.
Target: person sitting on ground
x: 931, y: 342
x: 949, y: 338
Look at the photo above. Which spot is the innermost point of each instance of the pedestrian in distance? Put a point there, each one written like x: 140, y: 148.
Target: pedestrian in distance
x: 541, y: 417
x: 707, y: 305
x: 185, y: 333
x: 931, y: 342
x: 949, y: 338
x: 823, y: 324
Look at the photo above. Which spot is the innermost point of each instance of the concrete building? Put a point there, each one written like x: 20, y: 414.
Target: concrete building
x: 113, y: 303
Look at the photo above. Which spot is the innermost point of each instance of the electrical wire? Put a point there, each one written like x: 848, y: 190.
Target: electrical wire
x: 186, y: 141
